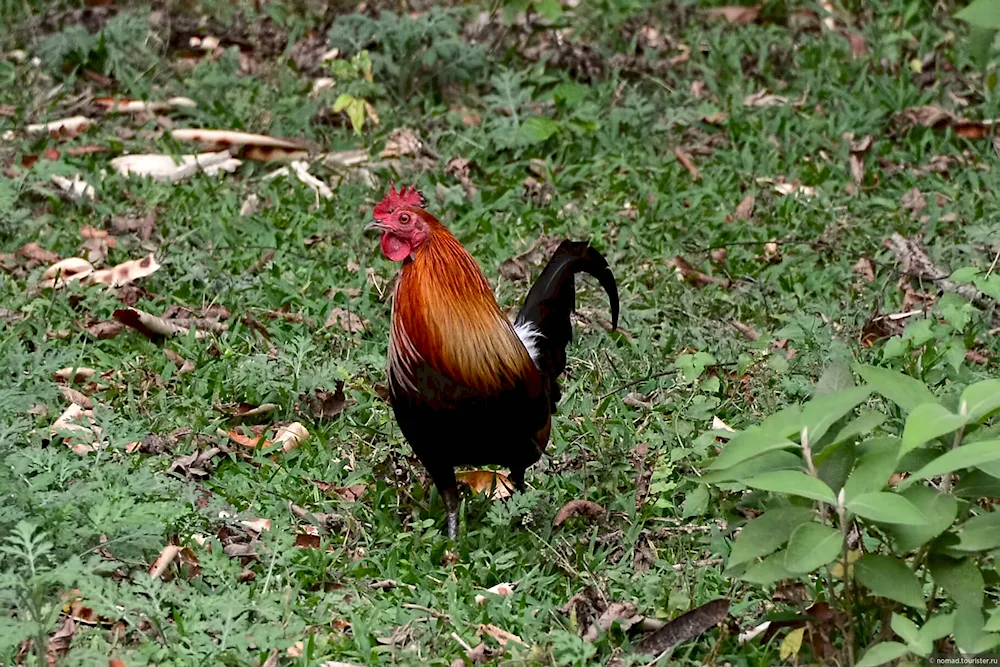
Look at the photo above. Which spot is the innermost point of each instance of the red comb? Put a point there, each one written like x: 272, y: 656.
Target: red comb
x: 393, y: 200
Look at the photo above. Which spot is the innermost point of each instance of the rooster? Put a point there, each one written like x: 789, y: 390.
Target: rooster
x: 467, y: 387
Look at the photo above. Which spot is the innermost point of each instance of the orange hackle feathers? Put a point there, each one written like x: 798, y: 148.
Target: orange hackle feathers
x: 445, y: 316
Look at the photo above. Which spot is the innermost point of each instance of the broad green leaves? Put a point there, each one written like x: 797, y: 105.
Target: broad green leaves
x: 874, y: 468
x: 767, y: 533
x: 536, y: 129
x: 887, y: 508
x: 768, y: 571
x: 355, y: 109
x: 980, y: 399
x: 962, y: 580
x: 980, y: 533
x: 750, y: 443
x: 910, y: 633
x: 794, y: 540
x: 981, y: 13
x: 966, y: 456
x: 812, y: 546
x: 793, y: 483
x: 940, y: 510
x: 902, y: 390
x: 819, y: 414
x: 882, y: 653
x: 776, y: 460
x: 926, y: 422
x: 889, y: 577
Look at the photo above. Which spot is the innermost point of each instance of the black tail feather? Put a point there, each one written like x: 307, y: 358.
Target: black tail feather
x: 552, y: 298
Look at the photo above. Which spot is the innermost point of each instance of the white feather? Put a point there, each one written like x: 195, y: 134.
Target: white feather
x: 529, y: 336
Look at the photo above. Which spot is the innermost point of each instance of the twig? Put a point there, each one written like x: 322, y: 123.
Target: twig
x: 461, y: 642
x: 433, y: 612
x: 918, y: 264
x: 707, y: 562
x: 994, y: 264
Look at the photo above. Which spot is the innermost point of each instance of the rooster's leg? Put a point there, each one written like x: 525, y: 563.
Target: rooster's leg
x: 516, y: 478
x: 450, y: 497
x: 444, y: 480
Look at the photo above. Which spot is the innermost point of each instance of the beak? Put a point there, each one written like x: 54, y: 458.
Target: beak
x: 374, y: 225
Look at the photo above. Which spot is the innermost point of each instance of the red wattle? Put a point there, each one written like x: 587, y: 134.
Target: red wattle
x: 395, y: 248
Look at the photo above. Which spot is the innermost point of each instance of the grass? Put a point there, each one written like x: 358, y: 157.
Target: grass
x: 603, y: 168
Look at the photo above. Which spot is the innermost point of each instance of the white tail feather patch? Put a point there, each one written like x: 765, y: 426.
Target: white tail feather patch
x: 529, y: 336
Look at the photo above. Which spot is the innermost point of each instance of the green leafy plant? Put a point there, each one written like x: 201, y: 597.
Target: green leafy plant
x: 984, y: 18
x: 123, y: 50
x: 412, y: 54
x: 837, y: 515
x: 354, y: 76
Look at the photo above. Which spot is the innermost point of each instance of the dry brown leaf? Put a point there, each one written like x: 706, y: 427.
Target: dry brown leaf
x: 496, y: 484
x: 865, y: 269
x: 687, y: 163
x: 346, y: 320
x: 290, y: 436
x: 88, y: 149
x: 74, y: 374
x: 980, y: 356
x: 77, y: 423
x: 685, y: 627
x: 126, y: 272
x: 151, y: 326
x: 857, y: 165
x: 688, y: 274
x: 764, y: 99
x: 502, y: 589
x: 65, y: 128
x: 244, y: 410
x: 96, y: 243
x: 226, y: 138
x: 784, y: 188
x: 163, y: 561
x: 325, y: 404
x: 715, y: 118
x: 59, y: 642
x: 142, y: 226
x: 857, y: 43
x: 125, y: 105
x: 73, y: 396
x: 74, y: 189
x: 735, y: 14
x: 194, y: 464
x: 622, y: 614
x: 256, y: 525
x: 499, y: 634
x: 402, y: 141
x: 936, y: 117
x: 745, y: 208
x: 748, y: 331
x: 184, y: 366
x: 165, y: 168
x: 914, y: 202
x: 66, y: 271
x: 272, y: 658
x: 37, y: 253
x: 103, y: 330
x: 584, y: 508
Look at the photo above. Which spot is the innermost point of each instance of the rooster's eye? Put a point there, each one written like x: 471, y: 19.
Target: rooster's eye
x: 404, y: 218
